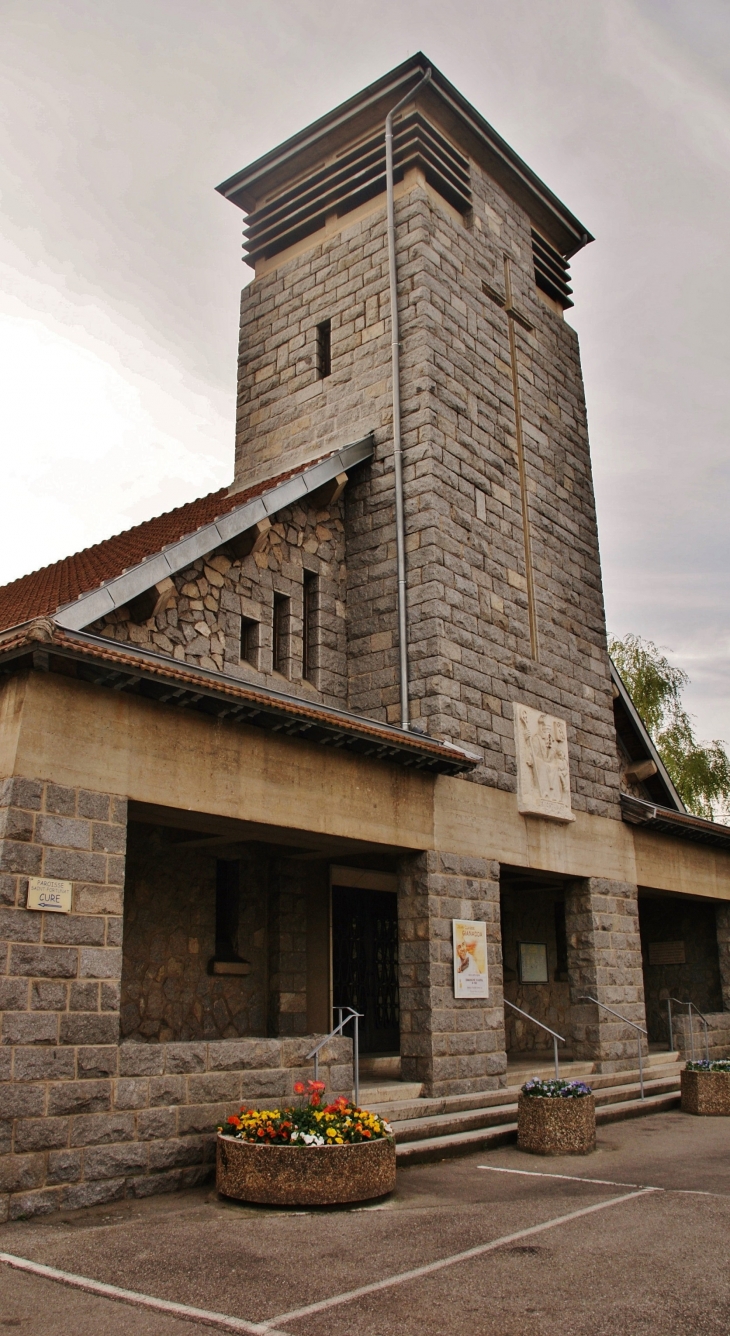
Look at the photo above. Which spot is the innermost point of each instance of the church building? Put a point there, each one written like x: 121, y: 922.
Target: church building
x: 261, y: 756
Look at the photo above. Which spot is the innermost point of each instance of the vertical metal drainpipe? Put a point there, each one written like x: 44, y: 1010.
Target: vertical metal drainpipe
x: 400, y: 539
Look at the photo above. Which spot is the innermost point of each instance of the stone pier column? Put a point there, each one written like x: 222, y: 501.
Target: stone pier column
x: 604, y: 960
x: 723, y: 951
x: 452, y: 1046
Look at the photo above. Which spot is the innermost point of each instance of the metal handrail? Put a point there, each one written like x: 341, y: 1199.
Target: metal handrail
x: 352, y: 1015
x: 633, y: 1025
x: 704, y: 1020
x: 554, y: 1033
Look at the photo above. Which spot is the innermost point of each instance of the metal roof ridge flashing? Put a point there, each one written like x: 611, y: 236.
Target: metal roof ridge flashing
x: 174, y: 557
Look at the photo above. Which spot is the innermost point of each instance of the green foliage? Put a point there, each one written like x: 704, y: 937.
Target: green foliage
x: 700, y: 771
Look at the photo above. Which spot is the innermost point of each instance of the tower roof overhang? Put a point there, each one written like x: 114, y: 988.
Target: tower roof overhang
x: 329, y: 135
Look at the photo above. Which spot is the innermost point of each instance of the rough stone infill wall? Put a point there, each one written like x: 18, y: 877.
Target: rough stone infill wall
x: 604, y: 961
x: 169, y: 939
x: 722, y: 913
x: 144, y: 1122
x: 287, y: 950
x: 60, y: 973
x: 453, y: 1046
x: 529, y: 916
x: 671, y: 918
x: 200, y: 622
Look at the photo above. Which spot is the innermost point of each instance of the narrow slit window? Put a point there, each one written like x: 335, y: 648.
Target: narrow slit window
x: 324, y: 349
x: 249, y: 641
x: 280, y: 646
x: 309, y: 614
x: 227, y: 882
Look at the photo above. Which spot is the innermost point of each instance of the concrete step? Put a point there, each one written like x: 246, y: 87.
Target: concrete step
x: 390, y: 1093
x: 487, y: 1138
x: 380, y: 1068
x: 469, y: 1120
x: 404, y: 1107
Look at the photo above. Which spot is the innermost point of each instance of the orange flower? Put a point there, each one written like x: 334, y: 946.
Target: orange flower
x: 298, y: 1087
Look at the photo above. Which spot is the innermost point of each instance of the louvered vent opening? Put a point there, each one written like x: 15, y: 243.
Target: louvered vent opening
x: 552, y: 271
x: 352, y: 179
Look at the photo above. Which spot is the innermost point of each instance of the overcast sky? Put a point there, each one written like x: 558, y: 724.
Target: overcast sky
x: 120, y: 267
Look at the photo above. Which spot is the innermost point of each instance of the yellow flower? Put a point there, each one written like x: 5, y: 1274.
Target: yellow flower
x: 331, y: 1132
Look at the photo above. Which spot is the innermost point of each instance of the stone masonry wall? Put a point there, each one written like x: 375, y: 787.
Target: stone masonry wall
x: 143, y: 1119
x: 529, y: 916
x: 723, y: 951
x: 604, y: 961
x: 59, y: 985
x: 200, y: 622
x: 470, y: 649
x: 169, y: 939
x: 453, y: 1046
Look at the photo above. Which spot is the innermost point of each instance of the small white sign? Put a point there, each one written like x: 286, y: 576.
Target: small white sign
x: 470, y: 958
x: 44, y: 893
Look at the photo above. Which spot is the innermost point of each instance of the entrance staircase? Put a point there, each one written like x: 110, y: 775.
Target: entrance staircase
x: 431, y: 1129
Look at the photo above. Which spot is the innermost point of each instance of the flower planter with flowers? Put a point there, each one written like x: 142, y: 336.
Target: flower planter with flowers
x: 306, y: 1155
x: 556, y: 1118
x: 706, y: 1088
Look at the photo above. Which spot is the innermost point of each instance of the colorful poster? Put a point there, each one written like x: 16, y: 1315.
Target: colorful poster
x: 470, y: 959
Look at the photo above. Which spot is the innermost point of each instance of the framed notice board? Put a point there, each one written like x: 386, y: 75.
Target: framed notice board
x: 533, y: 962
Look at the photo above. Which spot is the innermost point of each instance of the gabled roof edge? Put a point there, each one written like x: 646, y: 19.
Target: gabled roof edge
x: 643, y: 732
x: 120, y: 590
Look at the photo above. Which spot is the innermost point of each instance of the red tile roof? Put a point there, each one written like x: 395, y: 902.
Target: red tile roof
x: 43, y: 592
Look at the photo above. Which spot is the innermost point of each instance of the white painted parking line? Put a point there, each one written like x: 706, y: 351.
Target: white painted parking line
x: 184, y: 1311
x: 572, y: 1178
x: 403, y: 1277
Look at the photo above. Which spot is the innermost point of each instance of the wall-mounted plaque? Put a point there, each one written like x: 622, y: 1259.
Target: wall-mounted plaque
x: 533, y: 962
x: 44, y: 893
x: 666, y: 953
x: 543, y: 772
x: 471, y: 978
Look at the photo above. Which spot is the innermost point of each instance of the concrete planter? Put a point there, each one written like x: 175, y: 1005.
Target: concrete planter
x: 706, y: 1093
x: 304, y: 1175
x: 554, y: 1126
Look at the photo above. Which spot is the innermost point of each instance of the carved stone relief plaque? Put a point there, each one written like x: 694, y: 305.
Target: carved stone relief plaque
x: 543, y: 773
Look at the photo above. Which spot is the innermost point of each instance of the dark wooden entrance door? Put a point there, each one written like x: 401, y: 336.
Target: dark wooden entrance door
x: 365, y: 963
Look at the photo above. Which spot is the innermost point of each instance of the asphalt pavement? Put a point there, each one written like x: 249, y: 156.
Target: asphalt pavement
x: 632, y: 1239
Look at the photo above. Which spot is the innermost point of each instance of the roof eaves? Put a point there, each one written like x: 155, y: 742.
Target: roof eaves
x: 39, y: 643
x: 115, y: 593
x: 641, y: 729
x: 665, y: 821
x: 394, y: 83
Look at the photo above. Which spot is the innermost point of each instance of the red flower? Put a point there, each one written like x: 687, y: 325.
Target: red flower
x: 316, y: 1085
x: 233, y: 1119
x: 298, y: 1087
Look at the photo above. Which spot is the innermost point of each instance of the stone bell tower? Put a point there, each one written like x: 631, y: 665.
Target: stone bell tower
x: 504, y: 591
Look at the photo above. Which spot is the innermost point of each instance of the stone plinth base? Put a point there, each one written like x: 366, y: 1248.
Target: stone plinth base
x: 556, y: 1126
x: 305, y: 1175
x: 706, y: 1093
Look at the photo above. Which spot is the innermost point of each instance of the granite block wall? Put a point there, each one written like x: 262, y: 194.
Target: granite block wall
x: 470, y: 647
x: 90, y: 1125
x: 60, y: 973
x: 453, y: 1046
x: 604, y: 962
